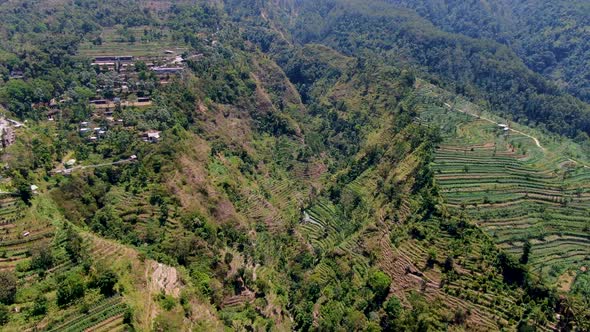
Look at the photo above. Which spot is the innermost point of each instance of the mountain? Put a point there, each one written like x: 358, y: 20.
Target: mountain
x: 284, y: 165
x: 550, y: 37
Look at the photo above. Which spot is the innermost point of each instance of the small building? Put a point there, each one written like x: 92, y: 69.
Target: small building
x: 71, y: 162
x: 166, y: 70
x: 152, y: 136
x: 16, y: 74
x: 143, y: 99
x: 25, y: 234
x: 52, y: 113
x: 178, y: 60
x: 34, y: 189
x: 168, y: 52
x: 99, y: 102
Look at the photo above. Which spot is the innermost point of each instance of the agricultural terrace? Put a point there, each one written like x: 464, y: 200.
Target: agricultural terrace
x: 415, y: 262
x: 33, y: 247
x: 137, y: 41
x: 512, y: 187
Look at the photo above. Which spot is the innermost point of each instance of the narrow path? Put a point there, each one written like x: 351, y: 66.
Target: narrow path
x: 494, y: 122
x: 69, y: 170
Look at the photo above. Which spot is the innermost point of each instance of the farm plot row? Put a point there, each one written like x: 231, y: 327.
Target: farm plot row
x: 518, y: 199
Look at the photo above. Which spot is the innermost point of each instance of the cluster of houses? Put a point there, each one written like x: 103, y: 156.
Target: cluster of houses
x: 168, y: 64
x: 106, y: 107
x: 93, y: 134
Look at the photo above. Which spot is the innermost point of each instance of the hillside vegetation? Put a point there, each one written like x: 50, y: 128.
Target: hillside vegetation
x: 282, y: 165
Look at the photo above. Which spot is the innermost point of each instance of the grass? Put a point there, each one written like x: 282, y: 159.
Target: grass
x: 115, y: 43
x: 513, y: 188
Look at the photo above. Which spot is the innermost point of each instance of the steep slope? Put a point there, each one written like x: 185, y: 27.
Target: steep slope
x: 481, y: 69
x: 523, y: 186
x: 289, y: 187
x: 550, y: 37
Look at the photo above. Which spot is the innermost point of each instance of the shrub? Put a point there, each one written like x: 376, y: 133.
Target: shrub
x: 69, y: 289
x: 379, y: 283
x: 3, y: 314
x: 8, y: 287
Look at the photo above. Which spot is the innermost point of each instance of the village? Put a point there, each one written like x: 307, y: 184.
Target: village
x: 124, y: 86
x: 124, y: 89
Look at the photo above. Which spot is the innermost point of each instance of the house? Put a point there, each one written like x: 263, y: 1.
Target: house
x: 16, y: 74
x: 177, y: 60
x: 8, y: 137
x: 111, y: 59
x: 167, y: 70
x: 51, y: 114
x: 34, y: 188
x: 152, y: 136
x: 99, y: 102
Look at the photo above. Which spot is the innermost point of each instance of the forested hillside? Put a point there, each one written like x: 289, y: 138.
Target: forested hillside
x: 485, y: 71
x: 280, y: 165
x: 550, y: 36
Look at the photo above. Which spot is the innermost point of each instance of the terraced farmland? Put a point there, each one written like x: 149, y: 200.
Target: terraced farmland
x: 517, y: 189
x: 115, y: 43
x: 18, y: 236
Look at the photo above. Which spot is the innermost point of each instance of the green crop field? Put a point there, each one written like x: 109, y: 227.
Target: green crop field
x: 511, y: 186
x: 138, y: 41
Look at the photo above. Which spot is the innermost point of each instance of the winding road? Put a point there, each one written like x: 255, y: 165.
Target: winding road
x: 536, y: 140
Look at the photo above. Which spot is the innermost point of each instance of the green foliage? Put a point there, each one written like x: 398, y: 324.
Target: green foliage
x: 379, y: 282
x: 74, y: 244
x: 250, y: 141
x: 39, y: 306
x: 168, y: 302
x: 393, y: 310
x: 70, y: 287
x: 9, y: 285
x: 41, y: 257
x: 105, y: 280
x: 4, y: 317
x: 526, y: 252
